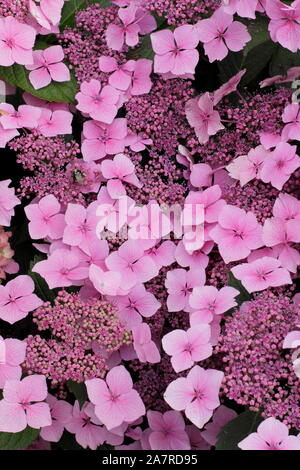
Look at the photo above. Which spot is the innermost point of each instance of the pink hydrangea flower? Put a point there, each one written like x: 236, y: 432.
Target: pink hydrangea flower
x: 80, y: 228
x: 135, y: 21
x: 261, y: 274
x: 180, y: 284
x: 291, y: 117
x: 50, y: 9
x: 102, y: 139
x: 61, y: 414
x: 244, y: 8
x: 47, y: 66
x: 271, y: 435
x: 7, y: 135
x: 167, y: 431
x: 45, y: 218
x: 220, y: 34
x: 188, y: 347
x: 209, y: 301
x: 286, y: 207
x: 284, y: 26
x: 248, y: 167
x: 17, y: 299
x: 133, y: 77
x: 237, y: 233
x: 105, y: 282
x: 86, y: 426
x: 221, y: 417
x: 280, y: 235
x: 197, y: 394
x: 16, y: 42
x: 12, y: 354
x: 99, y: 103
x: 132, y: 263
x: 175, y: 51
x: 8, y: 201
x: 61, y: 269
x: 282, y: 162
x: 136, y: 304
x: 202, y: 117
x: 25, y: 116
x: 228, y: 87
x: 118, y: 171
x: 23, y: 405
x: 144, y: 347
x: 53, y: 123
x: 115, y: 399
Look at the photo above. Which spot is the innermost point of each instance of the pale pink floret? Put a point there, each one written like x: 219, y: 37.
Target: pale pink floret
x: 12, y: 354
x: 220, y: 34
x: 135, y: 21
x: 280, y: 235
x: 175, y: 51
x: 202, y: 117
x: 237, y: 233
x: 244, y: 8
x: 209, y: 301
x: 132, y: 263
x: 115, y: 399
x: 261, y: 274
x: 138, y: 303
x: 291, y: 117
x: 48, y: 10
x: 145, y: 348
x: 17, y: 299
x: 284, y: 26
x: 25, y: 116
x: 180, y: 284
x: 61, y: 414
x: 279, y: 166
x: 271, y: 435
x: 45, y: 218
x: 286, y: 207
x: 118, y: 171
x: 105, y: 282
x: 197, y: 394
x: 89, y: 433
x: 167, y: 431
x: 47, y: 66
x: 8, y: 201
x: 16, y: 42
x: 99, y: 103
x: 53, y: 123
x: 103, y: 139
x: 23, y: 405
x: 6, y: 135
x: 221, y: 417
x: 80, y: 228
x: 248, y: 167
x: 188, y: 347
x: 61, y: 269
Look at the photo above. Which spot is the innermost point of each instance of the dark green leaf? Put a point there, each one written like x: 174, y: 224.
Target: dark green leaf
x: 237, y: 429
x: 19, y: 440
x: 143, y: 51
x: 256, y: 60
x: 244, y: 294
x: 41, y: 287
x: 63, y: 92
x: 71, y: 8
x: 259, y: 33
x: 282, y: 60
x: 68, y: 442
x: 79, y: 390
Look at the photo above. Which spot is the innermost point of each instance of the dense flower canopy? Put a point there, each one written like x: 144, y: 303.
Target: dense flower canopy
x: 150, y: 224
